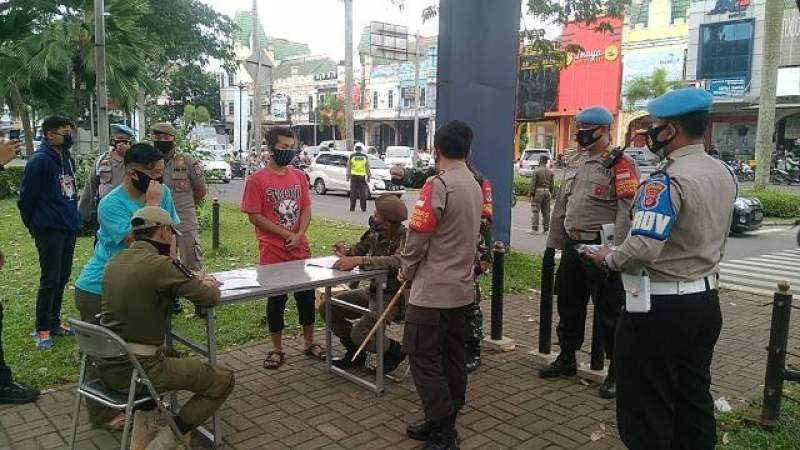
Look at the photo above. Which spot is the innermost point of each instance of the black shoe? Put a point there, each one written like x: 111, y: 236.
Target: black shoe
x: 445, y: 439
x: 425, y: 429
x: 346, y: 361
x: 608, y: 389
x: 473, y: 361
x: 564, y: 366
x: 393, y: 357
x: 14, y: 393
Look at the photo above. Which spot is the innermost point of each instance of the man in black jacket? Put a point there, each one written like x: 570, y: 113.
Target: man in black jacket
x: 48, y: 204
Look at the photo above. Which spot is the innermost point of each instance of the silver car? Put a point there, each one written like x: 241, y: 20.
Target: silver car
x: 529, y: 161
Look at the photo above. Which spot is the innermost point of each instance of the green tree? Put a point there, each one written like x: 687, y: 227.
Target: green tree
x: 189, y: 115
x: 647, y: 87
x: 331, y: 114
x: 201, y: 115
x: 191, y: 85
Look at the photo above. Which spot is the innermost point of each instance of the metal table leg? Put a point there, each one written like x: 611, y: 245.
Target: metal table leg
x: 211, y: 339
x: 328, y: 330
x: 379, y: 336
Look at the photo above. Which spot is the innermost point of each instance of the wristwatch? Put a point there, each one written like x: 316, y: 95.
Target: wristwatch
x: 604, y: 265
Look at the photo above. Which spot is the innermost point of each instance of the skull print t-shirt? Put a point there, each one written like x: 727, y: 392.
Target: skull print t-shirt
x: 280, y: 199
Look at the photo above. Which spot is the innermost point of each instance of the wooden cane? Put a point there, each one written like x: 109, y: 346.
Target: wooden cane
x: 381, y: 319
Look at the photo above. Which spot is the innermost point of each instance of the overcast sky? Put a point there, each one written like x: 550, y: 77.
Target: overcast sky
x: 320, y: 23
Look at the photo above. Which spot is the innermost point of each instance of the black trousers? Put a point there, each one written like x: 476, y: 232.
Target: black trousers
x: 56, y: 248
x: 358, y: 190
x: 5, y: 373
x: 434, y: 341
x: 578, y: 281
x: 276, y: 307
x: 663, y: 373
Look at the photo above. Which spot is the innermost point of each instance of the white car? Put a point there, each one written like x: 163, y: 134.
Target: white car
x: 399, y: 155
x: 530, y: 160
x: 214, y: 167
x: 329, y: 173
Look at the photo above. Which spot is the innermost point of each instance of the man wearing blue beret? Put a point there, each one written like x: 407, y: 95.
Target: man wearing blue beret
x: 108, y: 173
x: 670, y: 264
x: 599, y: 193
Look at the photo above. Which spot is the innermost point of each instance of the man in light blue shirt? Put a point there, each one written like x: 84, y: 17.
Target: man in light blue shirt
x: 144, y: 166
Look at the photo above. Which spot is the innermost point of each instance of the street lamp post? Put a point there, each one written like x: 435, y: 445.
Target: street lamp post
x: 101, y: 85
x: 348, y: 72
x: 239, y: 123
x: 416, y: 93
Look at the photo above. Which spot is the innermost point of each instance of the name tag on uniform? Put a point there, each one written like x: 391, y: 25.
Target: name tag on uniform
x: 637, y: 292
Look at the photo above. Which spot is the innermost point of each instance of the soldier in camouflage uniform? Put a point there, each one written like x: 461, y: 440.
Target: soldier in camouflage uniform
x: 379, y: 248
x: 483, y: 260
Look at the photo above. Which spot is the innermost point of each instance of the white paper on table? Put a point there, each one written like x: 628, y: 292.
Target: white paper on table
x: 232, y: 284
x: 326, y: 262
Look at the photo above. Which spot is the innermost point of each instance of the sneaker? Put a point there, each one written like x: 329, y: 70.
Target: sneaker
x: 14, y: 393
x: 43, y: 341
x: 61, y: 330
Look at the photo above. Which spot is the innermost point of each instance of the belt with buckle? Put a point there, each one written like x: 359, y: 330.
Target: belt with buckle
x: 709, y: 282
x: 143, y: 349
x: 583, y: 235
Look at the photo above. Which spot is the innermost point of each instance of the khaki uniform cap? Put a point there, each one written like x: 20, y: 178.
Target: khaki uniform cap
x: 163, y: 127
x: 151, y: 216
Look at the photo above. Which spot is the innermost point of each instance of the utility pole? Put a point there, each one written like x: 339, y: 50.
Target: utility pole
x: 100, y: 68
x: 769, y: 80
x: 416, y: 92
x: 257, y: 100
x: 348, y: 72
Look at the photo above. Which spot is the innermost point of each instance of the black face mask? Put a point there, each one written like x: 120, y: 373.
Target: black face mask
x: 163, y: 249
x: 585, y: 138
x: 142, y: 181
x: 653, y: 144
x: 164, y: 146
x: 283, y: 157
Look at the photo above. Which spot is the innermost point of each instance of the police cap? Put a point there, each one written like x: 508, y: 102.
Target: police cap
x: 679, y: 103
x: 121, y: 128
x: 391, y: 208
x: 151, y: 216
x: 163, y: 128
x: 595, y: 115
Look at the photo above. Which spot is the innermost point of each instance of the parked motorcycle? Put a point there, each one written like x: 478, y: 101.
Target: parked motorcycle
x: 789, y: 175
x: 743, y: 171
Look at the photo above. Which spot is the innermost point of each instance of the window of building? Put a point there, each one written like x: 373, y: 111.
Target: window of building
x: 230, y: 79
x: 390, y: 101
x: 321, y: 99
x: 422, y: 97
x: 374, y: 100
x: 725, y: 50
x: 640, y: 13
x: 230, y: 108
x: 679, y: 9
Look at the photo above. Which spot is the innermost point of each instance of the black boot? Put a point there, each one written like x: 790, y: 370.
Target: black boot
x: 445, y: 438
x: 473, y: 359
x: 393, y: 357
x: 346, y: 361
x: 564, y: 366
x: 608, y: 389
x: 14, y: 393
x: 424, y: 429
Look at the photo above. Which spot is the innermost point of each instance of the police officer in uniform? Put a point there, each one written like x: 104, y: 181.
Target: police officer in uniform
x: 599, y: 193
x: 184, y: 176
x: 540, y: 191
x: 438, y: 258
x: 379, y: 248
x: 147, y: 269
x: 483, y: 260
x: 108, y: 172
x: 681, y: 218
x: 358, y: 175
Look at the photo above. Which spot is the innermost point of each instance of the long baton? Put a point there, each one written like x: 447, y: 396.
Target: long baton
x: 381, y: 319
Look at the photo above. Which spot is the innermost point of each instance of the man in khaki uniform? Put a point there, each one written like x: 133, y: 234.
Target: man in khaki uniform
x: 681, y: 218
x: 541, y: 189
x: 438, y: 259
x: 600, y: 192
x: 184, y: 176
x: 379, y: 248
x: 108, y: 172
x: 148, y: 270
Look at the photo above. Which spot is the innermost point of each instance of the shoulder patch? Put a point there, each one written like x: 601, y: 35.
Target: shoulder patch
x: 486, y: 188
x: 625, y: 179
x: 423, y: 219
x: 653, y: 214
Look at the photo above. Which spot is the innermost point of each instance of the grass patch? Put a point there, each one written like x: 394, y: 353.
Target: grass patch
x: 236, y: 324
x: 738, y: 432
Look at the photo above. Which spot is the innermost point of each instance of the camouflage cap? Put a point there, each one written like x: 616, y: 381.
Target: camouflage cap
x: 164, y: 128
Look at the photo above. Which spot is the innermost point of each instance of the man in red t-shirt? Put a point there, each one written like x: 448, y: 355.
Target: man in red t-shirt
x: 277, y: 202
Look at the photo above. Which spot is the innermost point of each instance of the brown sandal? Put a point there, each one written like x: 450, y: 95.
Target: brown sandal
x: 320, y: 356
x: 272, y: 364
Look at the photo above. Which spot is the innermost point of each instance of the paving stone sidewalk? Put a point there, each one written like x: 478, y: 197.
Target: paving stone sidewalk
x: 303, y: 407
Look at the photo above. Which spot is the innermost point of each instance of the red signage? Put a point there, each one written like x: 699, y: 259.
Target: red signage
x: 593, y: 76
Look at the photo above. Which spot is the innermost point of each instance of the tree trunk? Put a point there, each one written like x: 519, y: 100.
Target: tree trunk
x: 24, y: 115
x: 769, y: 80
x: 348, y: 73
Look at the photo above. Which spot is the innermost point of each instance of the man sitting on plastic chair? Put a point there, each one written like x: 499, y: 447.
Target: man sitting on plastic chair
x: 379, y: 248
x: 139, y: 286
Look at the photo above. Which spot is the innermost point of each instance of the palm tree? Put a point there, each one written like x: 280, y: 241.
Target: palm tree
x: 647, y: 87
x: 331, y: 114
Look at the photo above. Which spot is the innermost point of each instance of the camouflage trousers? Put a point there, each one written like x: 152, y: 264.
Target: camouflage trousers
x: 475, y: 322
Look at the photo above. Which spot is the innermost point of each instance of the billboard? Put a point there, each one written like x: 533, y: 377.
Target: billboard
x: 790, y: 38
x: 537, y: 92
x: 731, y: 87
x: 642, y: 63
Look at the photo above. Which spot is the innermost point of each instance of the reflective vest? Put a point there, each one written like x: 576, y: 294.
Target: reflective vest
x: 358, y: 165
